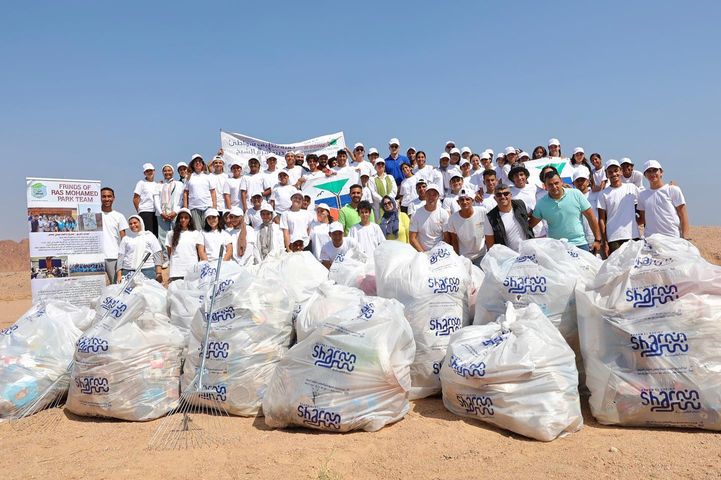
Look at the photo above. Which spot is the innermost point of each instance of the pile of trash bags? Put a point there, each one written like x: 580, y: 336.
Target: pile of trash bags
x: 350, y: 373
x: 435, y: 288
x: 517, y: 373
x: 127, y: 366
x: 250, y: 331
x: 327, y: 300
x: 35, y: 353
x: 354, y: 269
x: 544, y: 272
x: 650, y: 331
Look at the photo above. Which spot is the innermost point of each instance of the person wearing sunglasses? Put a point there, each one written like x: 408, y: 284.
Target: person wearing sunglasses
x: 394, y: 160
x: 507, y: 222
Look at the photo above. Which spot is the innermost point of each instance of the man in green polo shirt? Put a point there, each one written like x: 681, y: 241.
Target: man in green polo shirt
x: 348, y: 215
x: 562, y: 209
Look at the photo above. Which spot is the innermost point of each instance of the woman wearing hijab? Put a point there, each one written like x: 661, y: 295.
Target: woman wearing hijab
x: 133, y: 247
x: 167, y: 204
x: 185, y: 245
x: 318, y: 229
x: 394, y: 224
x: 269, y: 236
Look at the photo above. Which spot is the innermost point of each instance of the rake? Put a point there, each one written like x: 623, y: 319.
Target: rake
x: 54, y: 394
x: 196, y: 421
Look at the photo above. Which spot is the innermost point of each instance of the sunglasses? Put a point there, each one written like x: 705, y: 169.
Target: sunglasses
x: 502, y: 194
x: 358, y: 149
x: 387, y: 204
x: 394, y: 146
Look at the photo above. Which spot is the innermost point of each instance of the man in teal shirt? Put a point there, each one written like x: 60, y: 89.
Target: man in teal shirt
x: 348, y: 215
x: 562, y: 209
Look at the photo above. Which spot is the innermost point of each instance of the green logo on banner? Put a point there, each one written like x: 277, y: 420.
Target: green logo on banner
x: 333, y: 187
x: 38, y: 190
x: 333, y: 141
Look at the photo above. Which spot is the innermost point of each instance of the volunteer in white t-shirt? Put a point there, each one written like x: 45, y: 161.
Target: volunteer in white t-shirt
x: 663, y: 207
x: 407, y: 188
x: 253, y: 183
x: 598, y: 181
x: 185, y: 245
x: 200, y: 193
x: 144, y: 198
x: 465, y: 228
x: 484, y: 195
x: 167, y: 203
x: 134, y: 246
x: 617, y: 210
x: 428, y: 223
x: 114, y: 227
x: 294, y: 220
x: 338, y: 244
x: 220, y: 179
x: 629, y: 174
x: 269, y: 237
x: 427, y: 172
x: 318, y: 229
x: 233, y: 184
x: 368, y: 234
x: 271, y: 171
x: 281, y: 192
x: 214, y: 236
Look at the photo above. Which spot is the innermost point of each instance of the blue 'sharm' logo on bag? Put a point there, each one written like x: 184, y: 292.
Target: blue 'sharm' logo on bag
x: 671, y: 400
x: 476, y: 404
x: 652, y: 295
x: 660, y: 344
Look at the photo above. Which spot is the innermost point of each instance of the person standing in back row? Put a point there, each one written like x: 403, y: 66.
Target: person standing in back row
x: 114, y: 227
x: 144, y: 199
x: 394, y: 160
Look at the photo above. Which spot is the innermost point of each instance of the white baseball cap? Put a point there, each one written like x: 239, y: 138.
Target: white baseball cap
x: 211, y: 212
x: 218, y: 157
x: 335, y: 227
x: 324, y: 206
x: 148, y: 166
x: 485, y: 156
x: 411, y: 148
x: 510, y: 150
x: 380, y: 160
x: 612, y: 163
x: 359, y: 145
x: 236, y: 163
x: 464, y: 194
x: 266, y: 207
x: 489, y: 151
x: 236, y: 211
x: 372, y: 151
x: 450, y: 142
x: 500, y: 155
x: 651, y: 164
x: 466, y: 150
x: 554, y: 141
x: 455, y: 150
x: 297, y: 192
x: 365, y: 169
x: 181, y: 164
x: 196, y: 155
x: 433, y: 186
x: 464, y: 161
x: 394, y: 141
x: 445, y: 155
x: 578, y: 150
x: 523, y: 154
x: 580, y: 173
x: 626, y: 160
x: 298, y: 235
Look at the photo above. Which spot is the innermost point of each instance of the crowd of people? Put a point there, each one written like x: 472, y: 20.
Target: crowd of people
x: 470, y: 200
x: 52, y: 223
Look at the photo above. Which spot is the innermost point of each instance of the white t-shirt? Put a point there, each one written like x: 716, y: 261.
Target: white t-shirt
x: 220, y: 180
x: 146, y: 190
x: 318, y: 237
x: 450, y: 203
x: 248, y: 255
x: 415, y: 205
x: 408, y: 190
x: 447, y: 174
x: 489, y: 202
x: 281, y: 197
x: 185, y: 254
x: 502, y: 173
x: 528, y: 194
x: 295, y: 222
x: 328, y: 252
x: 471, y: 242
x: 253, y: 218
x: 429, y: 174
x: 348, y: 171
x: 199, y: 187
x: 620, y: 206
x: 659, y: 206
x: 271, y: 177
x: 133, y: 247
x: 113, y: 223
x: 233, y: 189
x: 514, y: 233
x: 213, y: 240
x: 636, y: 178
x: 254, y: 184
x: 429, y: 226
x: 294, y: 174
x: 368, y: 237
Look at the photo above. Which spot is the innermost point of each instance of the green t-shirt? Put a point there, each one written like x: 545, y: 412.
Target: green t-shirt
x: 564, y: 216
x: 348, y: 216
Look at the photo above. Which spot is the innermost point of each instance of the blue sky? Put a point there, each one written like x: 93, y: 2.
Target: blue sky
x: 92, y: 90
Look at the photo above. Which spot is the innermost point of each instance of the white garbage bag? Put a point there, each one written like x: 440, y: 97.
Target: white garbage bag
x: 517, y: 373
x: 36, y: 350
x: 650, y: 331
x: 354, y: 269
x: 250, y: 332
x: 130, y: 371
x: 328, y: 299
x: 434, y: 287
x: 544, y: 272
x: 352, y: 373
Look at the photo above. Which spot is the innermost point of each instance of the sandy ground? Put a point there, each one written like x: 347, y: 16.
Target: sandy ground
x: 429, y: 443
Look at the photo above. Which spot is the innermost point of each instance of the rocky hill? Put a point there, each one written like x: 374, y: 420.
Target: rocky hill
x: 14, y: 256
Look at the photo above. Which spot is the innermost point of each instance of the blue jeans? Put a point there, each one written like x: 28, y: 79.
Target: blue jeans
x: 585, y: 247
x: 148, y: 272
